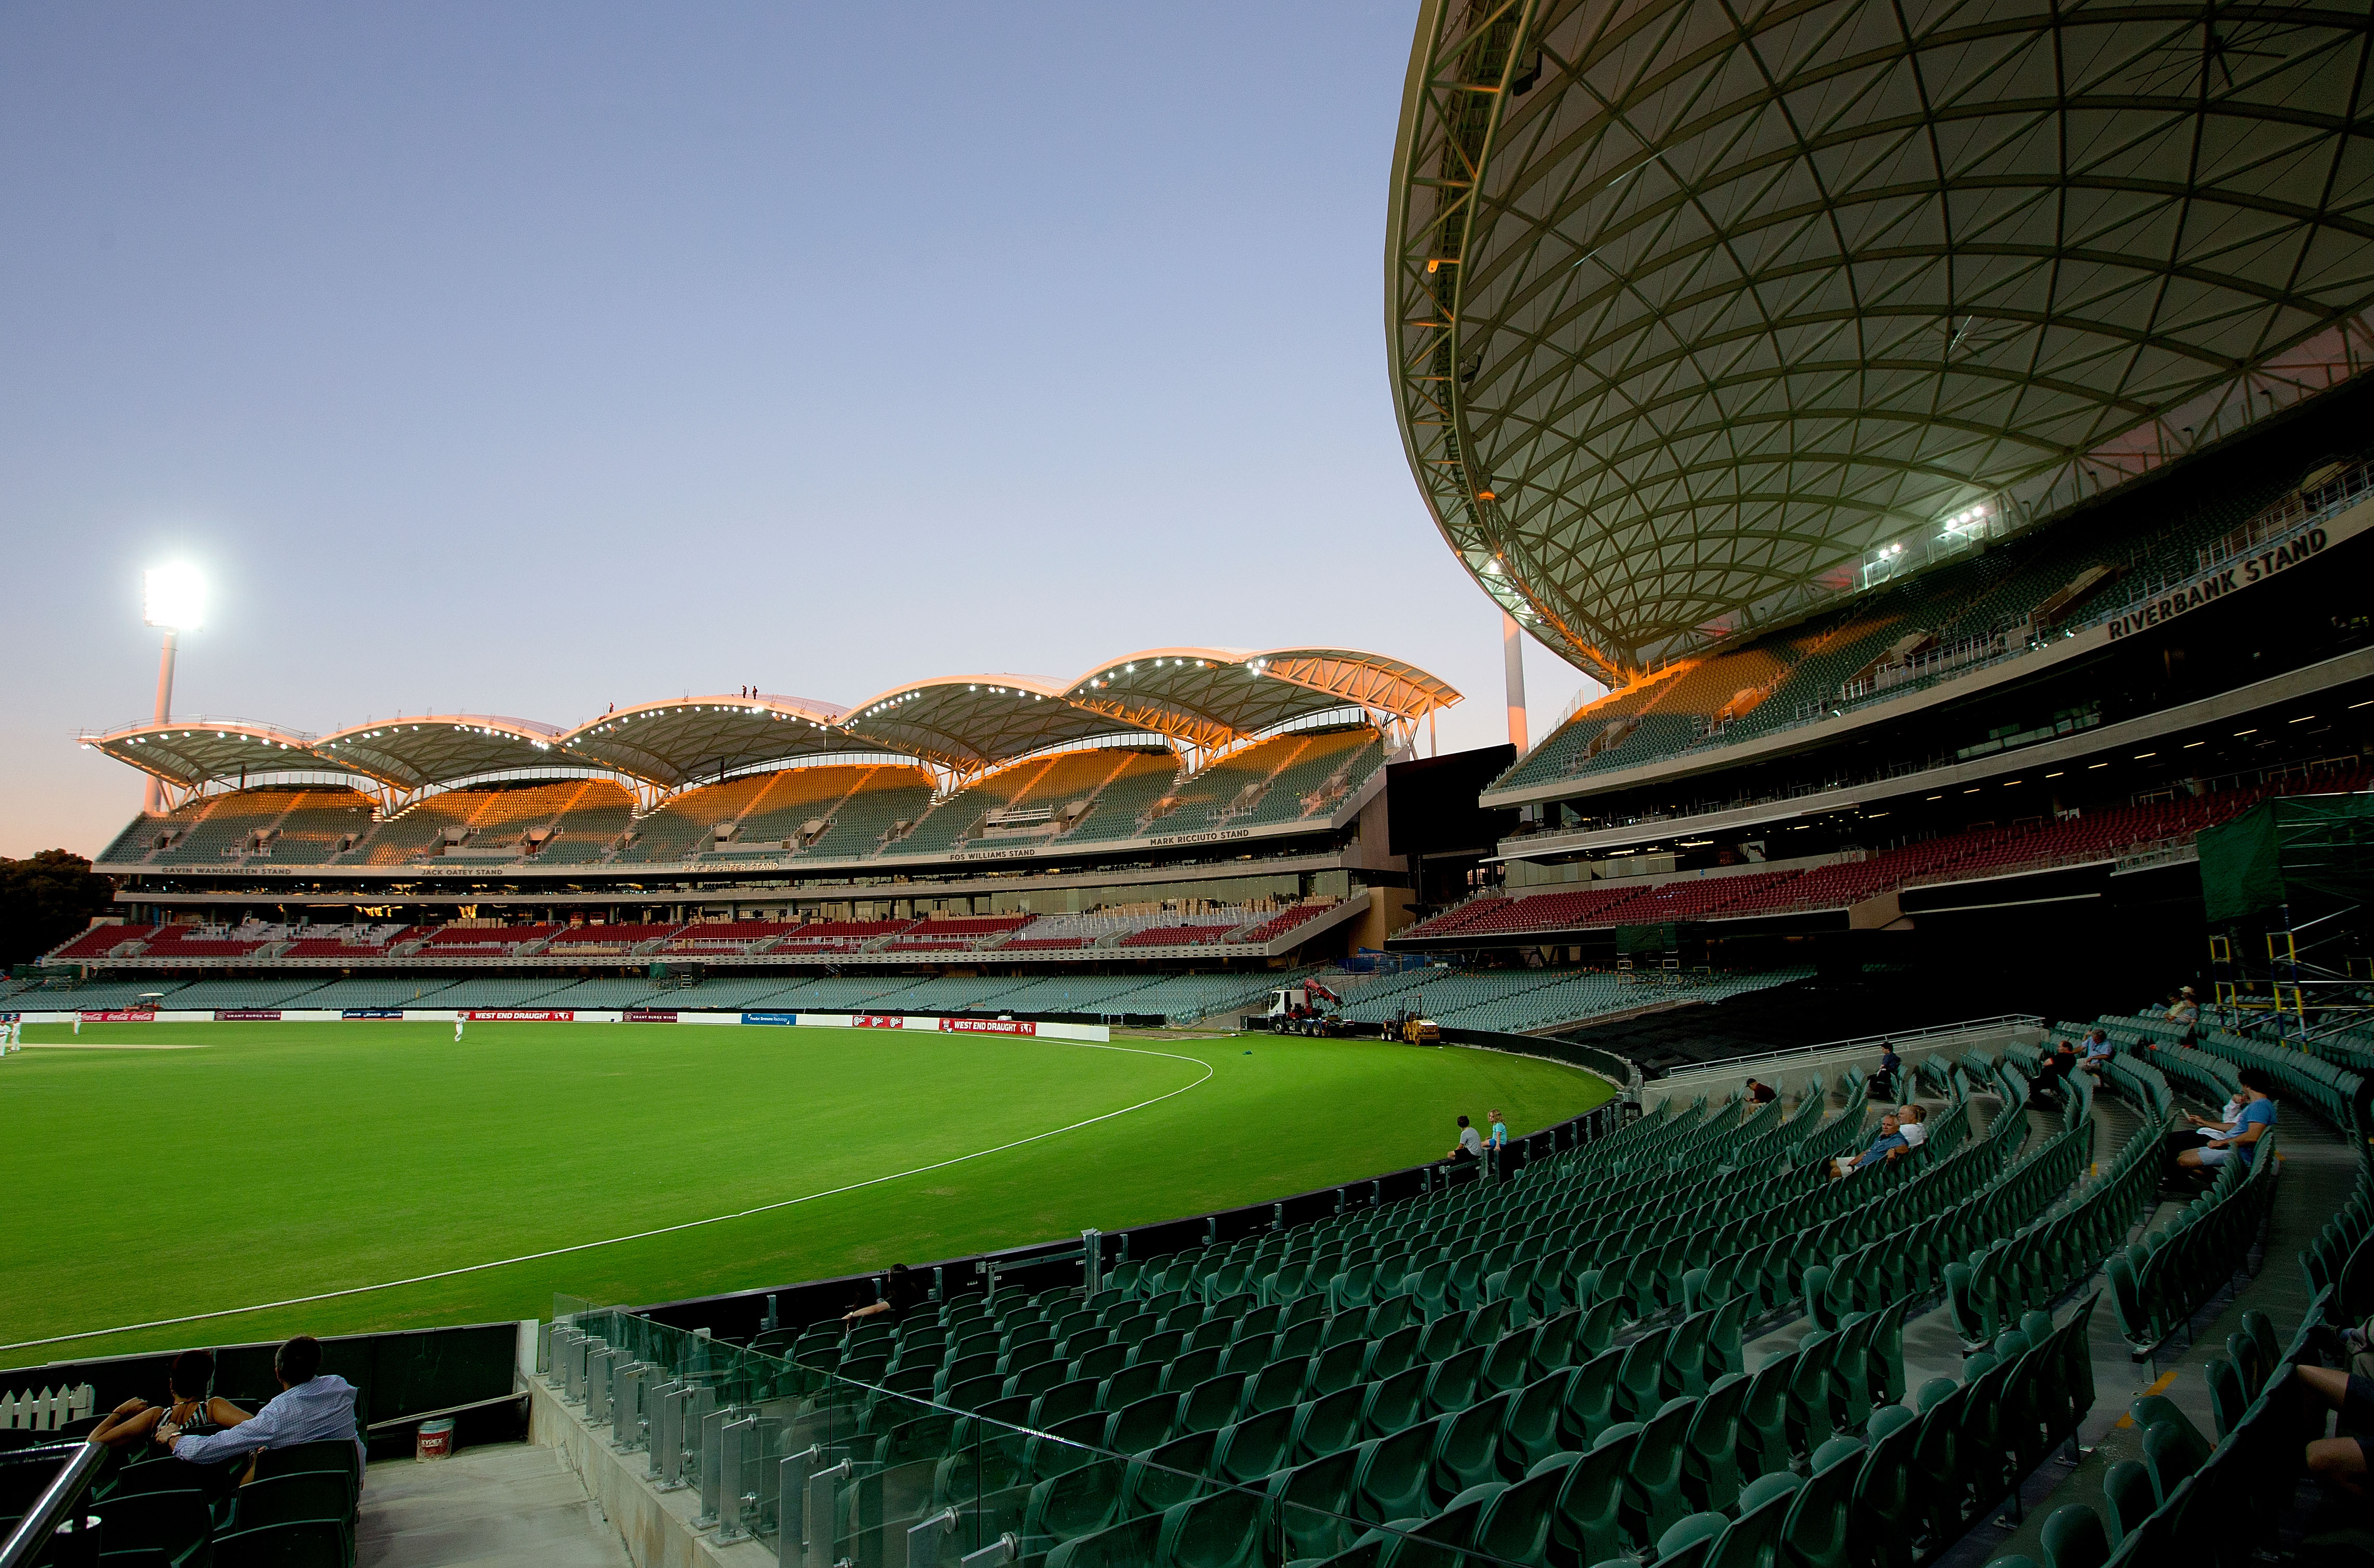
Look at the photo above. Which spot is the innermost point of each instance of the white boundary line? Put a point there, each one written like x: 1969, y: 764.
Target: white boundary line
x: 663, y: 1229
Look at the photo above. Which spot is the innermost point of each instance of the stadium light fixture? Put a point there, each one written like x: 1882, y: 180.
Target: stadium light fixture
x: 173, y: 599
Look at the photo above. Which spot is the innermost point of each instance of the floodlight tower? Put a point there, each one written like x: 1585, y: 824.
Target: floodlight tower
x: 173, y: 598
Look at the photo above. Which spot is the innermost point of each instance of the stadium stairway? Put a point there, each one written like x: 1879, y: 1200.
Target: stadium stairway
x: 504, y: 1505
x: 2319, y: 1171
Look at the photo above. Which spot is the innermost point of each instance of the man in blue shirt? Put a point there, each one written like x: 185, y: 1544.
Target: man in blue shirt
x: 2099, y: 1051
x: 2255, y: 1121
x: 1891, y: 1140
x: 311, y: 1407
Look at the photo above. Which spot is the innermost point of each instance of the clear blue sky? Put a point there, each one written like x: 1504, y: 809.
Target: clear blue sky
x: 524, y: 360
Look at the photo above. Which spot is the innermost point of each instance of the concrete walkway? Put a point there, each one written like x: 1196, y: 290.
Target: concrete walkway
x: 506, y: 1505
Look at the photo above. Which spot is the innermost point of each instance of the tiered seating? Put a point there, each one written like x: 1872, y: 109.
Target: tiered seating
x: 613, y: 939
x: 838, y: 936
x: 1269, y: 781
x: 1992, y: 596
x: 771, y: 825
x: 419, y: 828
x: 1564, y: 750
x: 1185, y: 933
x: 299, y: 1507
x: 727, y: 936
x: 392, y: 991
x: 1460, y: 1364
x: 1118, y: 808
x: 133, y: 844
x: 252, y: 992
x: 1316, y: 780
x: 484, y: 941
x: 883, y: 798
x: 500, y: 992
x: 586, y: 828
x: 217, y: 828
x: 1693, y: 899
x: 686, y: 824
x: 368, y: 941
x: 201, y: 942
x: 95, y: 942
x: 1284, y: 920
x: 957, y: 932
x: 318, y: 826
x: 1567, y: 909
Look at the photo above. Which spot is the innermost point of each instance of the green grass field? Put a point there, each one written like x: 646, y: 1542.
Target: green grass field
x: 277, y: 1161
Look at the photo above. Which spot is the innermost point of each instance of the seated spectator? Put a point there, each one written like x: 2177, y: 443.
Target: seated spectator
x: 2184, y: 1010
x: 312, y: 1406
x: 192, y: 1407
x: 1469, y: 1147
x: 1884, y: 1148
x: 2339, y: 1465
x: 2098, y: 1050
x: 2053, y: 1069
x: 1883, y: 1081
x: 1912, y: 1121
x: 901, y: 1293
x: 2173, y: 1147
x: 2255, y: 1121
x: 1759, y: 1094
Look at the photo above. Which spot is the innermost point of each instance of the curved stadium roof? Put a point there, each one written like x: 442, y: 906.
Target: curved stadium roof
x: 1690, y: 305
x: 1202, y: 697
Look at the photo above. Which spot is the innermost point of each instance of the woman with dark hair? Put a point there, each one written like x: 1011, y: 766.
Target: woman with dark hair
x: 192, y: 1407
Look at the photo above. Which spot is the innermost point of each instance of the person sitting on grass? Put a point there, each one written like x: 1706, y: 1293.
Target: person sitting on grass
x: 901, y: 1293
x: 312, y: 1406
x: 193, y: 1408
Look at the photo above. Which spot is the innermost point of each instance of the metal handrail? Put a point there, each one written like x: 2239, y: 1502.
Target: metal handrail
x: 49, y: 1510
x: 1731, y: 1065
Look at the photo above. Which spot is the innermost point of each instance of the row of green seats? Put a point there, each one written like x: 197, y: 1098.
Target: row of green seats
x: 2159, y: 1282
x: 2047, y: 1260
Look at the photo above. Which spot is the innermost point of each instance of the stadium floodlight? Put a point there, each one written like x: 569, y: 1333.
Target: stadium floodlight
x: 173, y: 597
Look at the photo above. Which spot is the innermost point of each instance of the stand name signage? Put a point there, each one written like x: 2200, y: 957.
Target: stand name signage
x: 2218, y: 584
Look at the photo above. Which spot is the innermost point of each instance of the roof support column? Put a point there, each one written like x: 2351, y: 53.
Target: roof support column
x: 1512, y: 656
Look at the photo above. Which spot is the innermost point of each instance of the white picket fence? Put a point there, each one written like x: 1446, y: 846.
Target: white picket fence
x: 47, y: 1410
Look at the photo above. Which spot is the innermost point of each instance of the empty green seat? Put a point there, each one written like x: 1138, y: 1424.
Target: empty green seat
x: 1514, y: 1525
x: 1221, y: 1531
x: 1530, y: 1433
x: 309, y: 1494
x: 2072, y: 1538
x: 1310, y: 1505
x: 1711, y: 1447
x: 1130, y: 1544
x: 1078, y: 1501
x: 1211, y: 1404
x: 1467, y: 1447
x: 1654, y: 1499
x: 1248, y: 1450
x: 1391, y: 1480
x: 306, y: 1543
x: 1329, y: 1422
x: 1169, y: 1473
x: 1589, y: 1523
